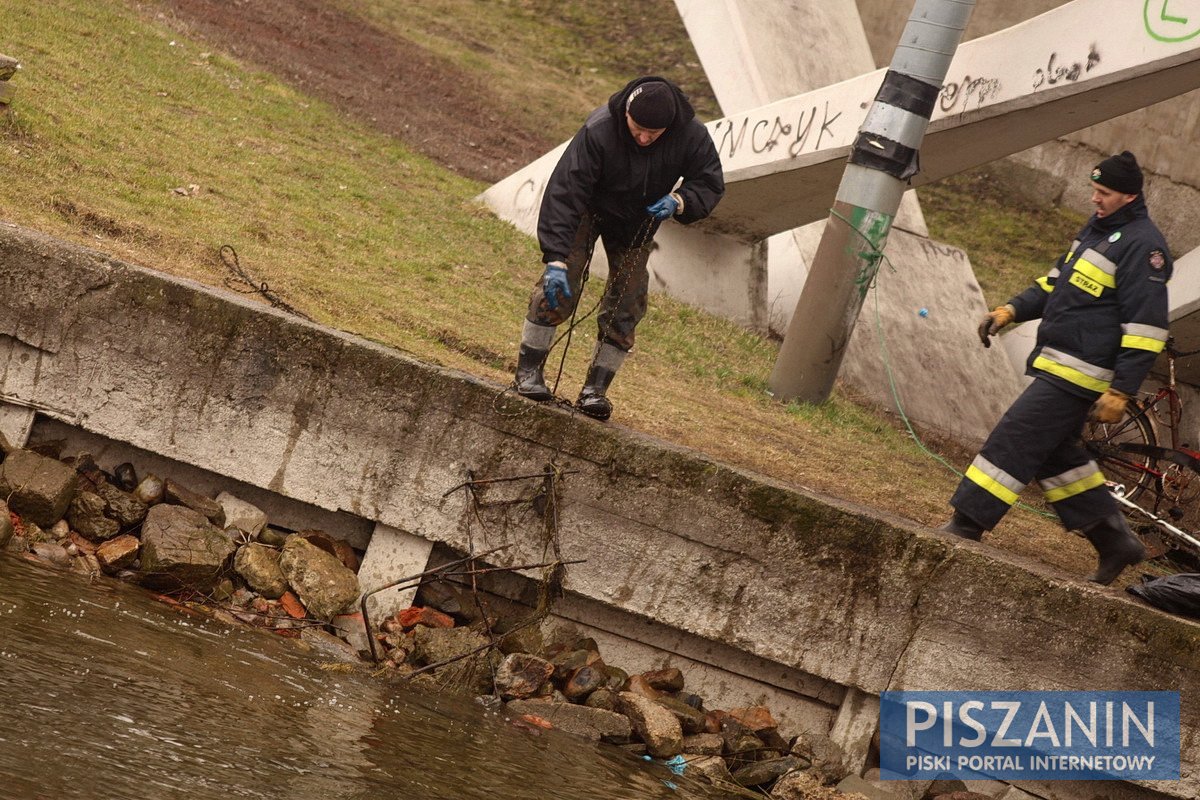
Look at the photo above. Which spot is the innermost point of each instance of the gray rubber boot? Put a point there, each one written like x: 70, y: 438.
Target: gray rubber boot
x: 605, y: 363
x: 531, y: 359
x: 962, y: 525
x: 1116, y: 546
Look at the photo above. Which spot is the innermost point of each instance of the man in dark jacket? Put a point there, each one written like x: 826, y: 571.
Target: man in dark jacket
x: 1104, y: 320
x: 618, y: 180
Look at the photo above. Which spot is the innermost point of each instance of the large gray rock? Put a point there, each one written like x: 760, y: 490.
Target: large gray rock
x: 259, y: 567
x: 122, y: 506
x: 323, y: 583
x: 242, y: 515
x: 52, y: 552
x: 182, y: 549
x: 8, y: 67
x: 118, y: 554
x: 658, y: 727
x: 827, y: 757
x: 520, y: 675
x: 434, y: 645
x: 690, y: 720
x: 703, y: 744
x: 86, y: 516
x: 590, y: 723
x: 181, y: 495
x: 716, y: 770
x: 37, y: 487
x: 763, y: 772
x: 471, y: 672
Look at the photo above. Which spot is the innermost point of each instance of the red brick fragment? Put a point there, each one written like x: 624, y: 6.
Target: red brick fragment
x: 292, y: 605
x: 429, y: 617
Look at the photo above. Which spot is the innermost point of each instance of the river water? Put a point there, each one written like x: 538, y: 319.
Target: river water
x: 108, y: 694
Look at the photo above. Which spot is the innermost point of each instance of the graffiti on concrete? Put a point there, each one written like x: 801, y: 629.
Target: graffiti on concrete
x: 1056, y: 72
x: 527, y: 198
x: 763, y: 135
x: 1172, y: 20
x: 958, y: 95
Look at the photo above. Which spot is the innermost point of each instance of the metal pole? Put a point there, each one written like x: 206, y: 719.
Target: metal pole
x: 882, y: 161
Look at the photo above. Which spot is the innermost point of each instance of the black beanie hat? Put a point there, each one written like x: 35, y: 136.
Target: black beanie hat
x: 1119, y: 173
x: 652, y: 105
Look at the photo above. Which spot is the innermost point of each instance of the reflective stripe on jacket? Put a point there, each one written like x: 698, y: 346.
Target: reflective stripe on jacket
x: 1103, y: 305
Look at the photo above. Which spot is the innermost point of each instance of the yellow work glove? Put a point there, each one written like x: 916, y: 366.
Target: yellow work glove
x: 994, y: 321
x: 1109, y: 407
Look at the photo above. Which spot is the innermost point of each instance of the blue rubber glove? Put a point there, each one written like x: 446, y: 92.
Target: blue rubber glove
x: 664, y: 208
x: 555, y: 281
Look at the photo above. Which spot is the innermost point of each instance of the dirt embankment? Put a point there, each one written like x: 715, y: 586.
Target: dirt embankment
x: 387, y: 82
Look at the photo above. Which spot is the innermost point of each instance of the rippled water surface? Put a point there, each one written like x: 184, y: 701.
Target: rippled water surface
x: 106, y: 693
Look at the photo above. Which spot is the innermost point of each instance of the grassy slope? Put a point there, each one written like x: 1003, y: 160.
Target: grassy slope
x: 1011, y: 240
x: 367, y: 236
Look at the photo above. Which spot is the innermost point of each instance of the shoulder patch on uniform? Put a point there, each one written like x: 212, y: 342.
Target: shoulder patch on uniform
x: 1157, y: 259
x: 1115, y: 236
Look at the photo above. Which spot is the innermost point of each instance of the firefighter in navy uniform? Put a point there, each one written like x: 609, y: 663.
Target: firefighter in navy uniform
x: 616, y: 181
x: 1104, y: 320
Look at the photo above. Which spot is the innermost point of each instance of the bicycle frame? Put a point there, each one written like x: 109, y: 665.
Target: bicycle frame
x: 1134, y: 457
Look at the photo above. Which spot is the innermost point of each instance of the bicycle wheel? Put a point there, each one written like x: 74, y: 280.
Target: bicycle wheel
x: 1115, y: 447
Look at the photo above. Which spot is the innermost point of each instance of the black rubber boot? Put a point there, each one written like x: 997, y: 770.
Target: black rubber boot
x: 1116, y: 545
x: 530, y: 381
x: 962, y: 525
x: 591, y: 398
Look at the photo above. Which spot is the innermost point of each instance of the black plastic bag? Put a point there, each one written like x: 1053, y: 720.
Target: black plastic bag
x: 1179, y: 594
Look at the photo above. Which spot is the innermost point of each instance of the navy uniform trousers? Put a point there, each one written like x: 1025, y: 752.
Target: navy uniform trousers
x: 1038, y: 438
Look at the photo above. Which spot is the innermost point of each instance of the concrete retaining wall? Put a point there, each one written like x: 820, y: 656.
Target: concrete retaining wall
x: 837, y: 593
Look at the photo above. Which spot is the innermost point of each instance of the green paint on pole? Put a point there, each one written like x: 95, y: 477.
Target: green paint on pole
x: 873, y: 228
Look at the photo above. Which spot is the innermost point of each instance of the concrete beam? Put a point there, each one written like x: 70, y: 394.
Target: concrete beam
x: 822, y: 587
x: 750, y: 54
x: 1005, y: 93
x: 392, y: 555
x: 15, y: 423
x: 855, y: 726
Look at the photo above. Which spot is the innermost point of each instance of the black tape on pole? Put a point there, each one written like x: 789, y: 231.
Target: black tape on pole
x: 885, y: 155
x: 906, y: 92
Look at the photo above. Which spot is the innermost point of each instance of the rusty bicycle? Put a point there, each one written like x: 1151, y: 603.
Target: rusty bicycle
x: 1152, y: 479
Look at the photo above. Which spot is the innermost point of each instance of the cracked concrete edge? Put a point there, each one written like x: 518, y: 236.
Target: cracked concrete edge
x: 839, y: 591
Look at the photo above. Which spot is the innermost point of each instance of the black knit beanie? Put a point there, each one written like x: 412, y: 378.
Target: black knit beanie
x: 1119, y: 173
x: 652, y: 105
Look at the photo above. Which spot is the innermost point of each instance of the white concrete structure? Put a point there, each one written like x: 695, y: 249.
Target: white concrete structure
x: 783, y: 162
x: 1164, y: 135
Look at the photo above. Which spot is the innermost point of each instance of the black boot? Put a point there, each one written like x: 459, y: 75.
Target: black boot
x: 962, y: 525
x: 606, y: 360
x: 591, y: 398
x: 1116, y: 545
x: 529, y: 380
x: 531, y: 359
